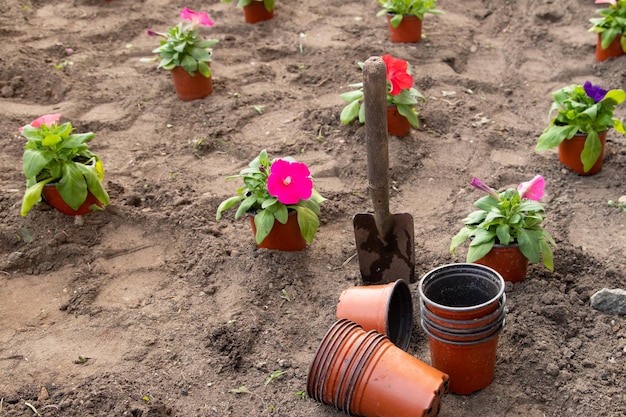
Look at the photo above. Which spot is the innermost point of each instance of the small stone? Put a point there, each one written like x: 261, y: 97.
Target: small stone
x: 622, y: 199
x: 7, y: 91
x: 609, y: 301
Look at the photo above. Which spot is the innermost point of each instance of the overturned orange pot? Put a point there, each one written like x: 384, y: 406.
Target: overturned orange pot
x: 387, y: 308
x: 363, y: 373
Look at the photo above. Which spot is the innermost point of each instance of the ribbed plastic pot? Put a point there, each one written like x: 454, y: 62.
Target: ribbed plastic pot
x: 363, y: 373
x: 52, y: 196
x: 462, y: 291
x: 571, y: 149
x: 614, y: 50
x: 190, y: 88
x: 463, y: 326
x: 397, y: 124
x: 470, y: 365
x: 453, y: 298
x: 256, y: 12
x: 409, y: 30
x: 508, y: 260
x: 284, y: 237
x: 387, y: 308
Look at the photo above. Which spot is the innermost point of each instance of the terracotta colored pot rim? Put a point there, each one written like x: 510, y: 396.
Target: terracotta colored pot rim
x: 461, y: 269
x: 463, y: 327
x: 460, y: 343
x: 464, y: 334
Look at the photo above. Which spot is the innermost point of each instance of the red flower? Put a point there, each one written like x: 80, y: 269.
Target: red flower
x: 397, y: 74
x: 47, y: 119
x: 290, y: 182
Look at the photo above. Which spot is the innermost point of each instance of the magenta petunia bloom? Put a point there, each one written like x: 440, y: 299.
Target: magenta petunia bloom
x: 533, y: 189
x: 477, y: 183
x: 290, y: 182
x: 397, y: 74
x: 46, y: 119
x: 196, y: 18
x: 595, y: 92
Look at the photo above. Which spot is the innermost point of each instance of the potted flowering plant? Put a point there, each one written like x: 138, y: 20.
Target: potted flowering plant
x: 509, y: 220
x: 184, y: 54
x: 583, y: 116
x: 278, y: 195
x: 255, y: 11
x: 401, y: 98
x: 404, y: 18
x: 58, y: 164
x: 611, y: 29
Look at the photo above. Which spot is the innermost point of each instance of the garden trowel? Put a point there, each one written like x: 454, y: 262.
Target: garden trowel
x: 384, y: 241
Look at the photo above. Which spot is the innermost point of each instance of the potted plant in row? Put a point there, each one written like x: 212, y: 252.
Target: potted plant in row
x: 506, y: 231
x: 611, y: 29
x: 255, y: 11
x: 404, y: 18
x: 59, y: 166
x: 401, y: 99
x: 584, y: 114
x: 186, y: 56
x: 279, y: 198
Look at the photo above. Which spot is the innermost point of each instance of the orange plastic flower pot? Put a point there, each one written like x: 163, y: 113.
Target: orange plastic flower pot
x: 363, y: 373
x: 256, y: 12
x: 464, y: 326
x: 614, y: 50
x: 387, y: 308
x: 408, y: 31
x: 397, y: 124
x: 571, y: 149
x: 471, y: 366
x: 52, y: 196
x: 190, y: 88
x: 465, y: 336
x: 285, y: 237
x: 461, y: 291
x: 508, y: 260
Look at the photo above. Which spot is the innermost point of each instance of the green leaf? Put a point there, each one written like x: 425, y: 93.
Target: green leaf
x: 349, y: 112
x: 591, y: 152
x: 204, y: 69
x: 34, y: 160
x: 245, y: 205
x: 554, y: 135
x: 72, y: 186
x: 486, y: 203
x: 475, y: 252
x: 32, y: 196
x: 409, y: 112
x: 459, y: 238
x: 482, y: 235
x: 528, y: 245
x: 226, y: 204
x: 281, y: 213
x: 503, y: 234
x: 475, y: 217
x: 264, y: 222
x: 308, y: 222
x: 546, y: 255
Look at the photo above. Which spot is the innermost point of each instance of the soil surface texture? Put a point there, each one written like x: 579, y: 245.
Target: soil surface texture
x: 153, y: 308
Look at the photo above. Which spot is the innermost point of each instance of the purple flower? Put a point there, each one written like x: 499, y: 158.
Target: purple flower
x: 482, y: 186
x: 595, y: 92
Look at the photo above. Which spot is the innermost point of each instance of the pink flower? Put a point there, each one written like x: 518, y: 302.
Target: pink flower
x: 47, y: 119
x: 533, y: 189
x: 397, y: 74
x: 477, y: 183
x: 613, y: 2
x: 196, y: 18
x: 290, y: 182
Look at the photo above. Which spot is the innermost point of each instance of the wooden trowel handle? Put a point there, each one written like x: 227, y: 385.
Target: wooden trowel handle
x: 375, y: 101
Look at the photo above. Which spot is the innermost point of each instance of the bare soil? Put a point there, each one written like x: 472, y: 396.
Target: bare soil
x: 152, y: 308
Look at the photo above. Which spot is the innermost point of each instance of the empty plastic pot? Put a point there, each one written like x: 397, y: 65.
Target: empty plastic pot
x: 387, y: 308
x: 462, y: 307
x: 363, y: 373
